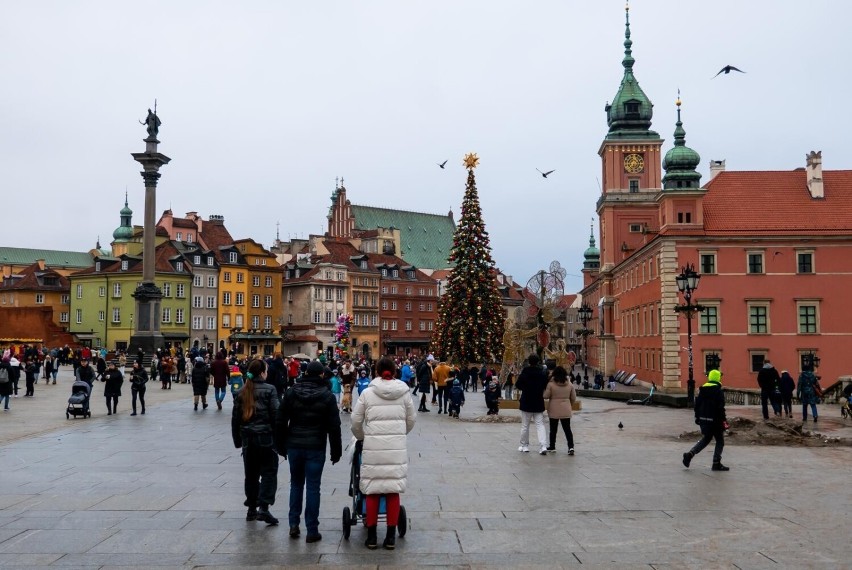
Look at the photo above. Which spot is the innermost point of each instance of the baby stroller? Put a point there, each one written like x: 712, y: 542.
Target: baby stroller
x: 78, y: 403
x: 358, y: 512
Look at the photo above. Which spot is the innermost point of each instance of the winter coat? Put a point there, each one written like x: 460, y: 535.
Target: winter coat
x: 440, y: 374
x: 6, y: 387
x: 767, y: 378
x: 276, y: 374
x: 710, y: 406
x: 531, y: 382
x: 424, y: 377
x: 138, y: 379
x: 258, y: 429
x: 492, y: 393
x: 114, y: 379
x: 406, y: 374
x: 200, y: 382
x: 457, y: 394
x: 382, y: 418
x: 86, y: 374
x: 562, y: 397
x: 220, y: 371
x: 308, y: 417
x: 787, y: 385
x: 805, y: 389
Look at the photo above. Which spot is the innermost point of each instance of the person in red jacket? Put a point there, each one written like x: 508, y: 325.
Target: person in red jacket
x: 221, y: 372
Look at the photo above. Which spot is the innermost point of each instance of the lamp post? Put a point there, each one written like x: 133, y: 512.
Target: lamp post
x: 687, y: 283
x: 585, y: 314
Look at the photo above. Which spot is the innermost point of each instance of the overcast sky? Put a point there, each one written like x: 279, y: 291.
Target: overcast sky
x: 263, y: 104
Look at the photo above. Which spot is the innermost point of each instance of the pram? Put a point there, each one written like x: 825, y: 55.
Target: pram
x: 78, y: 402
x: 358, y: 512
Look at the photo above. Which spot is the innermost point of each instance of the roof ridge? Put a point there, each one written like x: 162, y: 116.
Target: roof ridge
x: 400, y: 211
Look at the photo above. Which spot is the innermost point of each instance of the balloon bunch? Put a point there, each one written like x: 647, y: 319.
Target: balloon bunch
x: 341, y: 335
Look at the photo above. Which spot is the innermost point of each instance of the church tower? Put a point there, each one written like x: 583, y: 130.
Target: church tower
x: 630, y: 160
x: 124, y: 232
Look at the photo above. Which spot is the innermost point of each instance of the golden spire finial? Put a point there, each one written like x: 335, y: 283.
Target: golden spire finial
x: 471, y: 161
x: 627, y: 6
x: 678, y: 101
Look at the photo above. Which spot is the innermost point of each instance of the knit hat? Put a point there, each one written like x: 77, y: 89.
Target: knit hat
x: 315, y: 368
x: 715, y: 376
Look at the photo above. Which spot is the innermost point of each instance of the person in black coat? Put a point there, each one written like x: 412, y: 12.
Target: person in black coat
x: 531, y: 382
x: 767, y: 379
x: 138, y: 379
x: 200, y: 382
x: 787, y: 386
x: 276, y: 373
x: 253, y: 430
x: 424, y: 381
x: 710, y: 416
x: 307, y: 418
x: 113, y: 379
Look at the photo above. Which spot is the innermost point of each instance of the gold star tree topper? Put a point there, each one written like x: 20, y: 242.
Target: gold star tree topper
x: 471, y: 161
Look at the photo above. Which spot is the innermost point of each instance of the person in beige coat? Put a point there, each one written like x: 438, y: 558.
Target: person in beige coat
x: 381, y: 419
x: 561, y: 395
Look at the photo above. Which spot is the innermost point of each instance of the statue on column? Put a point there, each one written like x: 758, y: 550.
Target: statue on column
x: 152, y: 123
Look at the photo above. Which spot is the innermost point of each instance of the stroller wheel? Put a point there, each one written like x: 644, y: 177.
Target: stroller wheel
x: 402, y: 523
x: 347, y: 522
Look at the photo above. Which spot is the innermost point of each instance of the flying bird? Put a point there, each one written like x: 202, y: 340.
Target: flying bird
x: 545, y: 174
x: 443, y: 164
x: 726, y: 70
x: 620, y: 425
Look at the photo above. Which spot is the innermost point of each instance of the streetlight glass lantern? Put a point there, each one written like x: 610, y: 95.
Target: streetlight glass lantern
x: 681, y: 282
x: 692, y: 279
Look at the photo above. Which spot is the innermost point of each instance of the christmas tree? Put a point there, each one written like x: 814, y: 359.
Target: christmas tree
x: 470, y: 315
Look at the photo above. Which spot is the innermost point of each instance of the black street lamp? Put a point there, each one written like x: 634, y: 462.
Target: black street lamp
x: 687, y: 283
x: 585, y: 314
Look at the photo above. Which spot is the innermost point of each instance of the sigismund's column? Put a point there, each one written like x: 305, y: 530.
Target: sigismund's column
x: 146, y: 334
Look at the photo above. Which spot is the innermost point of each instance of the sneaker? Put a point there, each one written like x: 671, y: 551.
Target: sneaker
x: 543, y: 451
x: 313, y: 538
x: 251, y: 514
x: 524, y: 449
x: 551, y: 448
x: 687, y: 458
x: 295, y: 532
x: 571, y: 451
x: 720, y: 467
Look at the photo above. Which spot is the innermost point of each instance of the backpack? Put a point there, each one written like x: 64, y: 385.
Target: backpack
x: 4, y: 375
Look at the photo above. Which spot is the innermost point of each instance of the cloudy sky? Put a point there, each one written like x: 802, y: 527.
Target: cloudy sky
x: 264, y: 103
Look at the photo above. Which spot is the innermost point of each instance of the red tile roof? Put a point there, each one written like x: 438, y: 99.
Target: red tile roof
x: 28, y: 280
x: 777, y: 203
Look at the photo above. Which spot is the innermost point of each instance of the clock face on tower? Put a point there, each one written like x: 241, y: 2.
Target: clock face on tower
x: 634, y: 163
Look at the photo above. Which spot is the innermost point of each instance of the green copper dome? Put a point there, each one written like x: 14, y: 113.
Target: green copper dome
x: 681, y: 161
x: 630, y: 113
x: 124, y: 232
x: 592, y: 253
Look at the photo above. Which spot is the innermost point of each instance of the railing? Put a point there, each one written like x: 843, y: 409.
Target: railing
x: 745, y: 397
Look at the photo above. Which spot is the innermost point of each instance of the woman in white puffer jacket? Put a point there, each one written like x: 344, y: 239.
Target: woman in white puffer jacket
x: 382, y: 418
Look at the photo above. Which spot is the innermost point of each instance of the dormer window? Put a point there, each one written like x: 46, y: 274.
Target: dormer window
x: 233, y: 257
x: 631, y: 107
x: 410, y: 274
x: 363, y: 264
x: 179, y: 265
x: 124, y: 265
x: 97, y: 266
x: 395, y: 273
x: 210, y: 260
x: 197, y: 260
x: 384, y: 272
x: 188, y: 238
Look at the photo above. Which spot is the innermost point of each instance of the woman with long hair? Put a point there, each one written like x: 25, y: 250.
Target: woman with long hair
x: 561, y: 395
x: 382, y: 418
x: 255, y: 408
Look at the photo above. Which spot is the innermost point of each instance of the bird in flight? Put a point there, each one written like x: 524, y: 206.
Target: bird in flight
x: 545, y: 174
x: 726, y: 70
x: 443, y: 164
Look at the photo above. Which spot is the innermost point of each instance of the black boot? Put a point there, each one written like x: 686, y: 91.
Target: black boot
x: 687, y: 458
x: 372, y: 541
x: 719, y: 467
x: 264, y: 515
x: 390, y: 539
x: 251, y: 514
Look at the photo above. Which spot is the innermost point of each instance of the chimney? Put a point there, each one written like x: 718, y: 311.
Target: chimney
x: 716, y: 166
x: 814, y: 173
x: 40, y: 264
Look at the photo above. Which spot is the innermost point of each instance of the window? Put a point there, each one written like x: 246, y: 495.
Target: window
x: 356, y: 320
x: 684, y: 217
x: 363, y: 264
x: 755, y: 262
x: 422, y: 325
x: 179, y: 236
x: 188, y: 238
x: 211, y: 302
x: 805, y: 262
x: 198, y: 281
x: 211, y: 281
x: 39, y: 298
x: 197, y: 321
x: 384, y: 291
x: 384, y: 272
x: 808, y: 318
x: 267, y: 322
x: 384, y: 305
x: 708, y: 263
x: 429, y: 306
x: 179, y: 291
x: 196, y: 302
x: 340, y: 276
x: 408, y: 306
x: 317, y: 317
x: 374, y: 282
x: 97, y: 266
x: 289, y: 295
x: 167, y: 315
x: 238, y: 321
x: 634, y: 185
x: 226, y: 321
x: 167, y: 289
x: 408, y: 325
x: 232, y: 257
x: 758, y: 319
x: 124, y: 265
x: 255, y: 301
x: 374, y: 320
x: 79, y: 291
x: 393, y: 290
x: 408, y: 290
x: 709, y: 320
x: 328, y: 275
x: 179, y: 316
x: 179, y: 266
x: 395, y: 273
x: 329, y: 294
x: 65, y: 299
x: 267, y: 302
x: 384, y: 325
x: 240, y: 277
x: 393, y: 305
x: 63, y: 317
x: 116, y: 289
x: 422, y: 306
x: 757, y: 358
x: 226, y: 298
x: 329, y: 317
x: 356, y: 299
x: 255, y: 281
x: 196, y: 260
x: 116, y: 314
x: 422, y: 290
x: 317, y: 292
x: 635, y: 228
x: 226, y: 277
x: 268, y: 281
x: 393, y: 325
x: 211, y: 323
x: 429, y: 325
x: 240, y: 299
x: 210, y: 260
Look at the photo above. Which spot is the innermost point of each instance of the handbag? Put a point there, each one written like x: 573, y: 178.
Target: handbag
x: 818, y: 390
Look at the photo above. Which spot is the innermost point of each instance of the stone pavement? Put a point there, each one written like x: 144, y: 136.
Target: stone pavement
x: 165, y: 490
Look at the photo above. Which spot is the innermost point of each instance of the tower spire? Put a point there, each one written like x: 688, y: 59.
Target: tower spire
x: 628, y: 60
x: 679, y: 133
x: 592, y: 233
x: 681, y: 161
